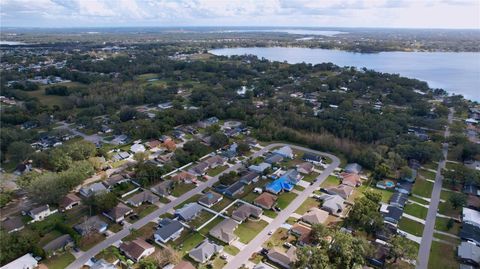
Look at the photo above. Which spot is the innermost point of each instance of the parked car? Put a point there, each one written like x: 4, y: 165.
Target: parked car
x: 270, y: 232
x: 287, y: 245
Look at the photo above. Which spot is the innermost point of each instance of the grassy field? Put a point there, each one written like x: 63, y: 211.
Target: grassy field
x: 416, y: 211
x: 278, y: 238
x: 185, y: 244
x: 330, y: 181
x: 249, y: 229
x: 182, y: 188
x: 59, y: 261
x: 441, y: 224
x: 455, y: 241
x: 309, y: 203
x: 410, y: 226
x: 250, y: 197
x: 217, y: 170
x: 285, y: 198
x: 270, y: 213
x: 442, y: 256
x: 87, y: 242
x: 423, y: 188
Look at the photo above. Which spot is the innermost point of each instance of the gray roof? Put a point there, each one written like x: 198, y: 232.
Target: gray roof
x: 168, y: 228
x: 224, y: 230
x: 102, y: 264
x: 260, y: 167
x: 210, y: 198
x: 204, y: 251
x: 93, y: 188
x: 188, y: 211
x: 245, y: 211
x: 12, y: 223
x: 58, y: 243
x: 274, y: 158
x: 142, y: 197
x: 92, y: 224
x: 249, y: 177
x: 332, y: 203
x: 162, y: 188
x: 353, y: 168
x: 469, y: 251
x: 39, y: 209
x: 285, y: 151
x: 119, y: 211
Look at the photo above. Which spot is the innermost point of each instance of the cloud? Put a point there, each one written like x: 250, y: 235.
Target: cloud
x: 347, y: 13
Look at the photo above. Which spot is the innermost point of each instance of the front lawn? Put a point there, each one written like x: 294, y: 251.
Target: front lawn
x: 330, y: 181
x: 249, y: 229
x: 418, y: 200
x: 60, y: 261
x: 250, y: 197
x: 426, y: 174
x: 192, y: 199
x: 441, y: 224
x: 445, y: 208
x: 311, y: 177
x: 217, y: 170
x: 222, y: 204
x: 299, y: 188
x: 182, y: 188
x: 278, y: 238
x: 189, y: 242
x: 87, y: 242
x: 386, y: 194
x: 442, y: 256
x: 423, y: 188
x: 410, y: 226
x: 416, y: 211
x: 144, y: 210
x: 306, y: 205
x: 285, y: 198
x: 145, y: 232
x: 231, y: 250
x: 203, y: 217
x: 270, y: 213
x: 210, y: 225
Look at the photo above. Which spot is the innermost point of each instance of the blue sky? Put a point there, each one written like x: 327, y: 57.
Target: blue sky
x: 308, y: 13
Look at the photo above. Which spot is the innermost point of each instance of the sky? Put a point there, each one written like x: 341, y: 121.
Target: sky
x: 295, y: 13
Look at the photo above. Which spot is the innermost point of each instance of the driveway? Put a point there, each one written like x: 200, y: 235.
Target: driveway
x: 427, y: 237
x: 80, y: 261
x: 256, y: 244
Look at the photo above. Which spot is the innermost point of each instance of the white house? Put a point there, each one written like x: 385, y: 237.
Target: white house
x: 27, y: 261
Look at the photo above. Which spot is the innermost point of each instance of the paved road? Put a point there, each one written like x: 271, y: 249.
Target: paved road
x: 427, y: 237
x: 80, y: 261
x: 256, y: 244
x: 94, y: 138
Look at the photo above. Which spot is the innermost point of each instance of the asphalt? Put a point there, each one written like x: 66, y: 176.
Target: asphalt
x: 85, y: 257
x: 256, y: 244
x: 427, y: 237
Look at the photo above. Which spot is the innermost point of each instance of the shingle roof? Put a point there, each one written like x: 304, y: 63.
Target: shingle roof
x: 204, y: 251
x: 188, y: 211
x: 266, y: 200
x: 58, y: 243
x: 210, y: 198
x: 135, y: 248
x: 469, y: 251
x: 224, y: 230
x: 353, y: 168
x: 168, y: 228
x: 245, y: 211
x: 142, y: 197
x: 343, y: 190
x: 119, y: 211
x: 69, y: 199
x: 162, y: 188
x: 184, y: 265
x: 91, y: 224
x: 39, y: 209
x: 315, y: 216
x: 12, y: 223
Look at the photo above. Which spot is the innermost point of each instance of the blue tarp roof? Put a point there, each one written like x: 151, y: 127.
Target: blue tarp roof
x: 283, y: 183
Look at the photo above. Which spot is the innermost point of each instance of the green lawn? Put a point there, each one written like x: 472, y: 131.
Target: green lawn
x: 442, y: 256
x: 418, y: 200
x: 231, y: 250
x: 455, y: 241
x: 203, y: 217
x: 222, y: 204
x: 423, y: 188
x: 192, y: 199
x: 445, y: 208
x: 270, y: 213
x: 144, y: 232
x: 299, y: 188
x: 416, y: 211
x: 306, y: 205
x: 189, y: 242
x: 249, y: 229
x: 217, y: 170
x: 330, y: 181
x: 210, y: 225
x: 250, y: 197
x: 49, y: 237
x: 426, y: 174
x: 285, y: 198
x: 291, y: 221
x: 182, y: 188
x: 144, y: 210
x: 410, y: 226
x: 311, y: 177
x: 386, y: 194
x: 445, y: 195
x: 59, y: 261
x: 442, y: 223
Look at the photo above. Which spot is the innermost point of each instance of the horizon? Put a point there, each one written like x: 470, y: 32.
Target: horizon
x: 267, y: 27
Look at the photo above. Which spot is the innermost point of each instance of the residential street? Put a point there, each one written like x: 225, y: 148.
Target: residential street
x: 256, y: 244
x: 80, y: 261
x: 427, y: 237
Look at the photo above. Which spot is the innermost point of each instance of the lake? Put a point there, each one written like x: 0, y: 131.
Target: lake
x: 455, y: 72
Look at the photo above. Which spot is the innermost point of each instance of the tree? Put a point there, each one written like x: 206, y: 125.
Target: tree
x: 166, y: 255
x: 218, y: 140
x: 401, y: 247
x: 312, y: 258
x: 457, y: 200
x: 19, y: 151
x: 381, y: 171
x: 59, y: 159
x: 365, y: 214
x: 406, y: 172
x: 243, y: 148
x: 104, y: 201
x: 140, y: 156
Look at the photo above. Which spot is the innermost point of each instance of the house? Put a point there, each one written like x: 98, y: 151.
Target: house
x: 163, y: 188
x: 315, y: 216
x: 273, y: 159
x: 471, y: 216
x: 246, y: 211
x: 168, y: 230
x: 153, y: 144
x: 471, y: 189
x: 60, y: 243
x: 279, y: 185
x: 293, y: 176
x: 391, y: 214
x: 187, y: 177
x: 69, y: 201
x: 284, y: 259
x: 378, y: 256
x: 353, y: 168
x: 470, y: 232
x: 13, y: 224
x: 249, y: 178
x: 207, y: 122
x: 469, y: 253
x: 170, y: 145
x: 92, y: 189
x: 313, y: 158
x: 262, y: 265
x: 305, y: 168
x: 178, y: 134
x: 351, y: 179
x: 234, y: 189
x: 102, y: 264
x: 260, y: 168
x: 210, y: 198
x: 224, y: 231
x: 184, y: 265
x: 118, y: 213
x: 265, y: 200
x: 303, y: 233
x: 200, y: 169
x: 137, y: 249
x: 398, y: 199
x: 215, y: 161
x: 342, y: 190
x: 91, y: 225
x: 404, y: 187
x: 137, y: 148
x: 143, y: 197
x: 334, y: 204
x: 188, y: 211
x: 27, y: 261
x: 115, y: 180
x: 285, y: 151
x: 122, y: 155
x: 204, y: 252
x: 39, y: 213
